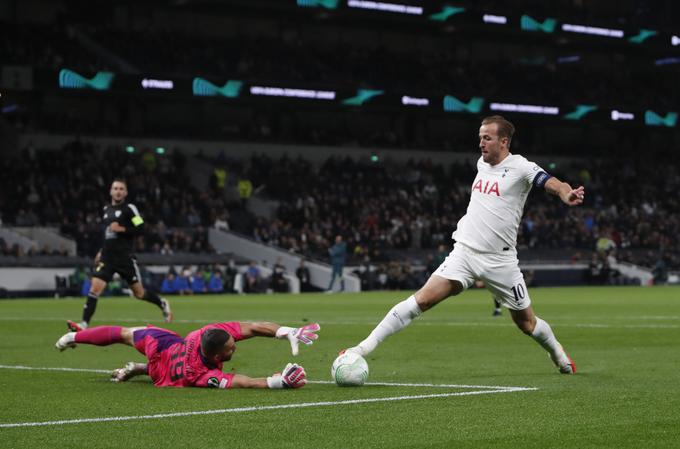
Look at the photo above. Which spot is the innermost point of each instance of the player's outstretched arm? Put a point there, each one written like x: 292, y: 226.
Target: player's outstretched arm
x: 258, y: 329
x: 292, y: 376
x: 572, y: 197
x: 241, y: 381
x: 305, y: 334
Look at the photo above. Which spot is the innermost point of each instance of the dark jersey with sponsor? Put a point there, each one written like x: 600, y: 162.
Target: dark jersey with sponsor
x: 121, y: 243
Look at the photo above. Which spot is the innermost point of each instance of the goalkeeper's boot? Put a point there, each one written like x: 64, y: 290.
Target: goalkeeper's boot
x: 68, y: 340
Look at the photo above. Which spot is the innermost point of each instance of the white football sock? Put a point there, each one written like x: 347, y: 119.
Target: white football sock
x: 543, y: 334
x: 396, y: 319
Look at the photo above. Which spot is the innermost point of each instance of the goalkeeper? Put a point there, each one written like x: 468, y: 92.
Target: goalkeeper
x: 196, y: 360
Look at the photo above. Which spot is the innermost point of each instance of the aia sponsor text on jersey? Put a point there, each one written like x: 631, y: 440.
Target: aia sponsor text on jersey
x: 487, y: 187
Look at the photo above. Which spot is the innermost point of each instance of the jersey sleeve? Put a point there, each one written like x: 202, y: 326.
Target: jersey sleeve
x: 233, y: 327
x: 214, y: 379
x: 533, y: 174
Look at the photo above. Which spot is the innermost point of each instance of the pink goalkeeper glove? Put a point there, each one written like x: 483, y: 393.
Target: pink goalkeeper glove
x: 305, y: 334
x: 293, y: 376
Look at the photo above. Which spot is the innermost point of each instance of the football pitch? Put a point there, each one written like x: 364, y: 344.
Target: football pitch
x: 457, y: 377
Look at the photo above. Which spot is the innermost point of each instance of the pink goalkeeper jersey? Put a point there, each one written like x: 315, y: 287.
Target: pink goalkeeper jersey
x: 183, y: 365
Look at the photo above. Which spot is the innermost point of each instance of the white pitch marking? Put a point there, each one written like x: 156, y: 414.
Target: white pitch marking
x: 489, y: 390
x: 47, y: 368
x: 254, y: 409
x: 398, y: 384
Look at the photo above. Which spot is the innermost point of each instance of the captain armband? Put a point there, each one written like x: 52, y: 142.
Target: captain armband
x: 541, y: 178
x: 137, y: 220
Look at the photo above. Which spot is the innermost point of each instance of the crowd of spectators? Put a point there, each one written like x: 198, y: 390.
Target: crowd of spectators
x: 68, y: 188
x: 380, y: 208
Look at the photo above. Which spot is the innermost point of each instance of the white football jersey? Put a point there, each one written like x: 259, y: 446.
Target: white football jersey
x: 497, y: 203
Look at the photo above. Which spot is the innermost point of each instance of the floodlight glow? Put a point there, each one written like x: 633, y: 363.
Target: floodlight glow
x: 388, y: 7
x: 295, y: 93
x: 148, y: 83
x: 675, y: 40
x: 490, y: 18
x: 413, y: 101
x: 583, y: 29
x: 618, y: 115
x: 526, y: 108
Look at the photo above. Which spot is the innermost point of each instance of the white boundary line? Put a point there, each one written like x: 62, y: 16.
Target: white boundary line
x: 47, y: 368
x: 256, y: 409
x: 141, y: 321
x: 488, y: 390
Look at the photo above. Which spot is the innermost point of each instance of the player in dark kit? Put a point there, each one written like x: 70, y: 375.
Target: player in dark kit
x: 122, y: 223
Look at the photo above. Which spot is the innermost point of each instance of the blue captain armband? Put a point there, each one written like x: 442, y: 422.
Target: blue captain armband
x: 541, y: 178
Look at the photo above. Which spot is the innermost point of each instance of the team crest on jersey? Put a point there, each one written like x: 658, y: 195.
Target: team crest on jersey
x: 213, y: 382
x: 490, y: 188
x: 117, y: 213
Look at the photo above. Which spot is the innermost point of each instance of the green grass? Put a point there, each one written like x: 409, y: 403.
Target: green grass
x: 625, y: 342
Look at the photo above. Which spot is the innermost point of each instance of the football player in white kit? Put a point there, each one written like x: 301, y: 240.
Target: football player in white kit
x: 485, y: 241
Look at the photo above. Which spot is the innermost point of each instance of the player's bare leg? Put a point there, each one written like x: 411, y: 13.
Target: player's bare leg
x: 146, y: 295
x: 527, y: 321
x: 435, y: 290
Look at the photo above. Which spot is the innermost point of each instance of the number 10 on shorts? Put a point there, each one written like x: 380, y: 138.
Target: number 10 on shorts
x: 519, y: 291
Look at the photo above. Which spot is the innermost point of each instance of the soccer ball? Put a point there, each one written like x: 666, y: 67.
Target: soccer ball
x: 349, y: 370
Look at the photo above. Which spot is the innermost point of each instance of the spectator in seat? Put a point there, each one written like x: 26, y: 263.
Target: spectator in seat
x: 198, y: 283
x: 252, y: 278
x: 169, y: 284
x: 278, y: 282
x: 215, y: 284
x: 303, y: 275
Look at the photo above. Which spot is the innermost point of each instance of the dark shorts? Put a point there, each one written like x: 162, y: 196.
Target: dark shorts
x: 153, y: 340
x: 125, y: 266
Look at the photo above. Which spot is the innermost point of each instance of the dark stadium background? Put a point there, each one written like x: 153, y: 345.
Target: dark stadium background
x: 330, y: 117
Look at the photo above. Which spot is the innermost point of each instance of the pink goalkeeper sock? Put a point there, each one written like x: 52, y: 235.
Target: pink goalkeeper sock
x: 100, y: 335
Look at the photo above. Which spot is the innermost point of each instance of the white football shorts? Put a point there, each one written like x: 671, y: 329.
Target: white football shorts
x: 499, y: 272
